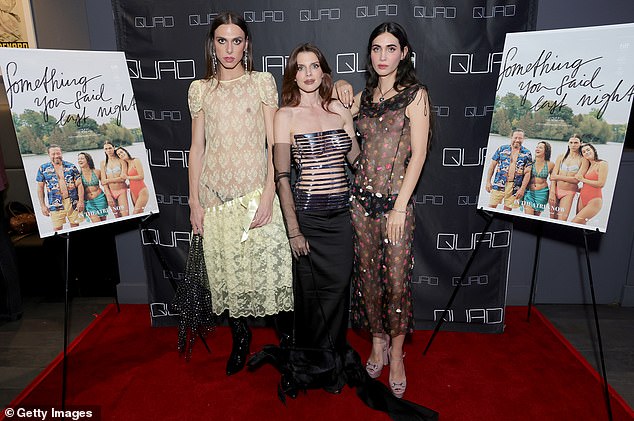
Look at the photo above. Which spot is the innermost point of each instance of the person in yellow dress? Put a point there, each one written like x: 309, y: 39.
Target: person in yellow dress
x: 231, y: 188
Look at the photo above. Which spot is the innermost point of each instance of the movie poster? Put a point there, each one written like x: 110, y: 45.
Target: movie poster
x: 16, y: 24
x: 79, y: 136
x: 562, y: 105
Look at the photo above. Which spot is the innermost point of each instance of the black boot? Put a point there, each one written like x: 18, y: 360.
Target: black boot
x: 241, y: 340
x: 284, y: 328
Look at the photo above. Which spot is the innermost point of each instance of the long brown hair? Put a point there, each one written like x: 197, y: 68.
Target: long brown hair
x: 226, y: 18
x: 574, y: 136
x: 290, y: 91
x: 107, y: 142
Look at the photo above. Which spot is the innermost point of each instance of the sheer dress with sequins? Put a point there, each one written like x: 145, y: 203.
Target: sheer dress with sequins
x: 381, y: 293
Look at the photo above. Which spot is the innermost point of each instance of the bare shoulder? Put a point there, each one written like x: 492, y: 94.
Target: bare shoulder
x: 421, y: 96
x: 419, y: 107
x: 284, y: 114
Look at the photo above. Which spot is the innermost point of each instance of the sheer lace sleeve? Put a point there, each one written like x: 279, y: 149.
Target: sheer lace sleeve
x: 353, y: 154
x: 194, y: 98
x: 268, y: 89
x: 282, y: 163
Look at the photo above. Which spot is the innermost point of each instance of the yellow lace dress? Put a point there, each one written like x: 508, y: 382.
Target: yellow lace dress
x: 249, y: 270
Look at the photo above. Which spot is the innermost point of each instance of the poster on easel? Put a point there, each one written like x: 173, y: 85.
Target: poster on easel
x: 16, y: 24
x: 562, y: 105
x: 79, y: 137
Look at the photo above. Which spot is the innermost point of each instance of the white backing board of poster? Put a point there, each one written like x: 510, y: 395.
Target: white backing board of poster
x: 82, y: 102
x: 565, y: 89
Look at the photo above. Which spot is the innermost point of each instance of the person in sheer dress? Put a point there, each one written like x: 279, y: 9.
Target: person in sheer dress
x: 231, y: 190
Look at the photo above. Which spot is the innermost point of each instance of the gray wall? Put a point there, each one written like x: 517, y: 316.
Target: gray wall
x: 561, y: 276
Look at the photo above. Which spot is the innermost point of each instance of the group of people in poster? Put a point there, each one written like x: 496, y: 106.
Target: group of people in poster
x: 326, y: 242
x: 538, y: 185
x: 69, y: 193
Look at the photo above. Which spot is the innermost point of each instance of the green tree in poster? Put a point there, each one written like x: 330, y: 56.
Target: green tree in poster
x: 514, y: 107
x: 593, y: 130
x: 35, y: 120
x: 564, y: 113
x: 137, y: 134
x: 552, y: 126
x: 29, y: 143
x: 500, y: 123
x: 619, y: 131
x: 118, y: 135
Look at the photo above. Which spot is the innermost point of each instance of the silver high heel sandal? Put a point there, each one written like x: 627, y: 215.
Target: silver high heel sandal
x: 375, y: 369
x: 398, y: 388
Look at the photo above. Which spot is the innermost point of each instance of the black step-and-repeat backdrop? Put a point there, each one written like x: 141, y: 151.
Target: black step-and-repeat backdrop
x: 458, y: 48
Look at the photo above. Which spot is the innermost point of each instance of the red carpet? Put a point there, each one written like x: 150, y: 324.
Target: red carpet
x: 133, y: 372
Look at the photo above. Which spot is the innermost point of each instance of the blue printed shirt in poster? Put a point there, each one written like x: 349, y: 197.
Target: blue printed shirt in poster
x: 503, y: 157
x: 46, y: 174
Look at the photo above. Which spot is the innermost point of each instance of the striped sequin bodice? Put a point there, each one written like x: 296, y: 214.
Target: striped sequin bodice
x: 322, y: 183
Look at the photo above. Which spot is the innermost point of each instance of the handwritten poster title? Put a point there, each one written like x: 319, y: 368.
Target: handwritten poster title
x: 556, y: 83
x: 66, y: 99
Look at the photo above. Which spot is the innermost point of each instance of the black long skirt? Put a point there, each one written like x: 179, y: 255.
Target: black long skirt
x: 322, y: 289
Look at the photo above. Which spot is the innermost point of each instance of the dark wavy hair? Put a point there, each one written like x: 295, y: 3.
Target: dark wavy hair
x: 226, y: 18
x: 290, y: 91
x: 405, y: 73
x: 591, y: 146
x: 124, y: 150
x: 547, y: 150
x: 89, y: 160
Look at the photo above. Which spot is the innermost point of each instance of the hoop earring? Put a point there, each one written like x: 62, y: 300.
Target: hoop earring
x: 214, y: 61
x: 245, y: 60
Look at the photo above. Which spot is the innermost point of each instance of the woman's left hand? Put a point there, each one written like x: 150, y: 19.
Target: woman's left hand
x: 264, y: 214
x: 395, y: 225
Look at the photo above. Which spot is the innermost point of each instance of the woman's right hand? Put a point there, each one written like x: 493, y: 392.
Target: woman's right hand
x: 299, y: 246
x: 196, y: 217
x: 344, y: 92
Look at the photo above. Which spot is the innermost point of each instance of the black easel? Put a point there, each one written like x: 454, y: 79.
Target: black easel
x: 531, y: 299
x: 166, y: 268
x: 489, y: 218
x: 66, y: 236
x: 66, y: 315
x: 606, y: 389
x: 531, y: 295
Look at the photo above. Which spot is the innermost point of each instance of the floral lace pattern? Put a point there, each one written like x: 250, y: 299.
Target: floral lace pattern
x: 235, y: 146
x: 248, y: 275
x: 251, y: 277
